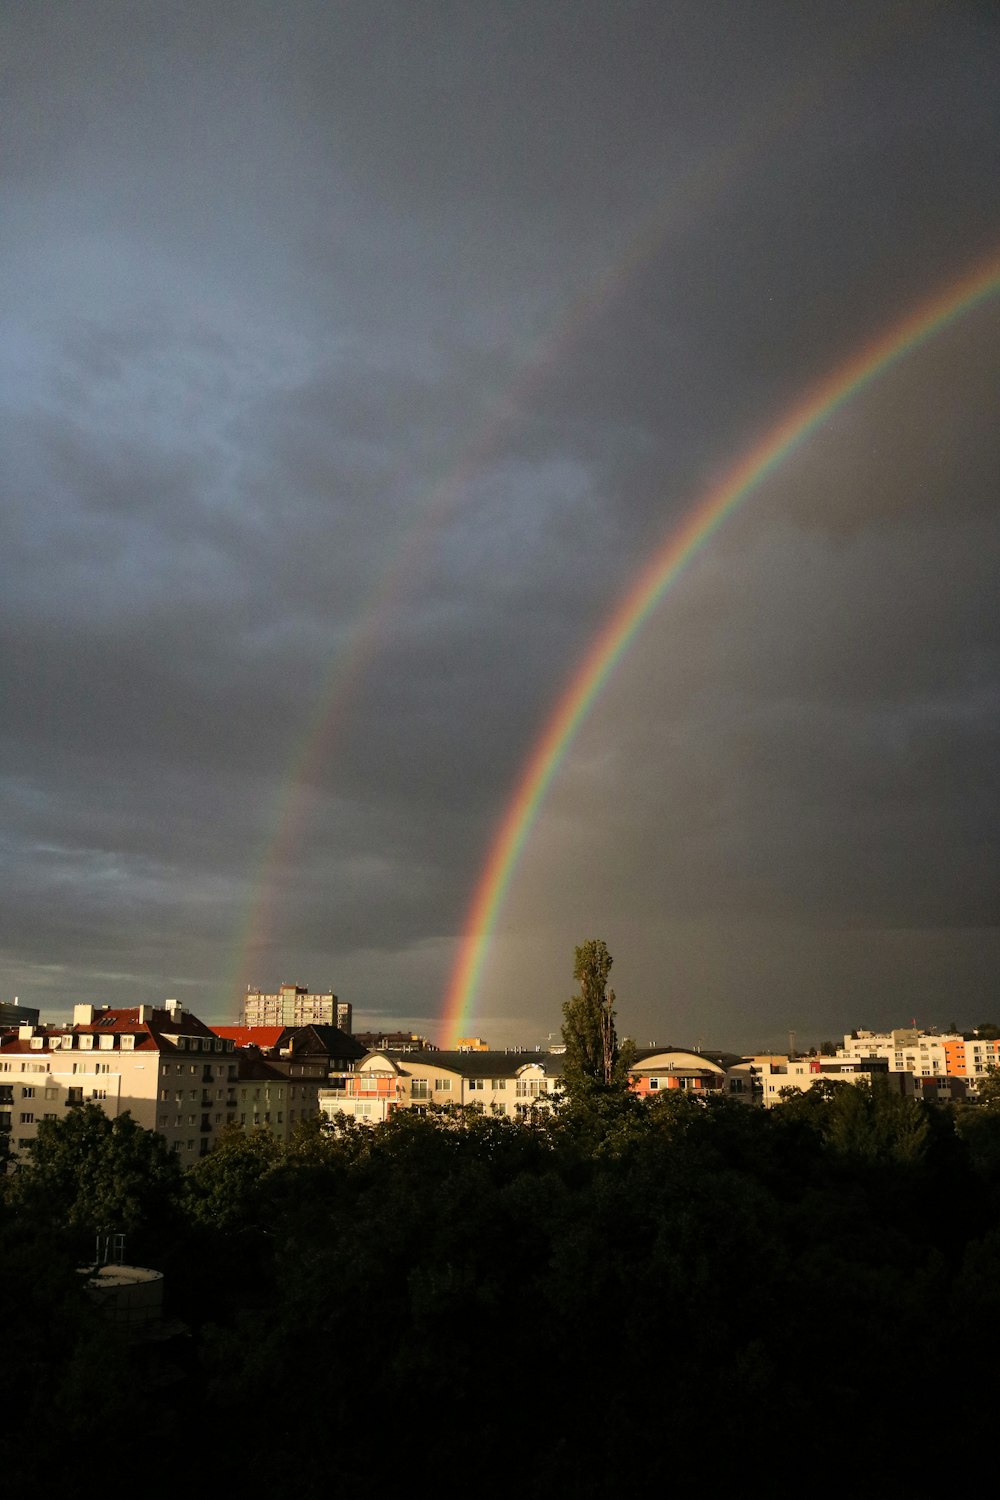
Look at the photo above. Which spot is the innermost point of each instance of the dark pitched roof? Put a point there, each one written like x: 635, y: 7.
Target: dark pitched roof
x: 251, y: 1067
x: 482, y: 1064
x: 318, y: 1039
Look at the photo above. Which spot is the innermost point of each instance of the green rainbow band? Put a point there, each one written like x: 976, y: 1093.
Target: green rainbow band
x: 615, y: 637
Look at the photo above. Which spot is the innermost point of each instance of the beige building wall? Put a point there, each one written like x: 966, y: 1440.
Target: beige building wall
x: 278, y: 1105
x: 180, y: 1085
x: 761, y: 1079
x: 380, y: 1084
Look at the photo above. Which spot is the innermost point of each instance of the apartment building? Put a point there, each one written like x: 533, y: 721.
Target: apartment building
x: 161, y: 1064
x: 293, y: 1005
x: 509, y: 1083
x: 13, y: 1013
x: 761, y: 1079
x: 299, y: 1051
x: 267, y: 1098
x: 655, y: 1072
x: 927, y: 1054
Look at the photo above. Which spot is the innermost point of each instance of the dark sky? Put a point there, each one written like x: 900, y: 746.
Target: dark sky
x: 355, y: 357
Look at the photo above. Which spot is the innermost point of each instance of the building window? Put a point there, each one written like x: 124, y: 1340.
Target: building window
x: 28, y: 1093
x: 27, y: 1118
x: 530, y: 1088
x: 419, y: 1088
x: 443, y: 1085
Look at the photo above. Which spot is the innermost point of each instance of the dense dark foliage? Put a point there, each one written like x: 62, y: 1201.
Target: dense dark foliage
x: 620, y: 1295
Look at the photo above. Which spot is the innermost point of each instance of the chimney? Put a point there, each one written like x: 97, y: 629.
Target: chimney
x: 174, y: 1009
x: 83, y: 1015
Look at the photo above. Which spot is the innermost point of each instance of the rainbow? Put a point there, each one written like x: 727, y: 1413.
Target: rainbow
x: 696, y: 187
x: 646, y: 592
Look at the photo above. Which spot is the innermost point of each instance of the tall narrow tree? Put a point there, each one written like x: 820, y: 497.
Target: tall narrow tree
x: 593, y: 1055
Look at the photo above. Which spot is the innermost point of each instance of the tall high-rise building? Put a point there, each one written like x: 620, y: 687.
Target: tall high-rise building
x: 294, y: 1006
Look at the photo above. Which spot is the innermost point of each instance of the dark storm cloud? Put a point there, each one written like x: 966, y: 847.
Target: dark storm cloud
x: 358, y: 356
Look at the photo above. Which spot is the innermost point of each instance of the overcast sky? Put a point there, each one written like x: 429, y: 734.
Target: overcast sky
x: 354, y: 358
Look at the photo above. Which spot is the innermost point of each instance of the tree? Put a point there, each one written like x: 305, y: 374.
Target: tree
x: 989, y: 1089
x: 593, y: 1056
x: 231, y: 1189
x: 89, y: 1173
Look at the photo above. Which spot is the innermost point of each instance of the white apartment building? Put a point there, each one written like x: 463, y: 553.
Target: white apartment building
x: 510, y: 1083
x: 926, y: 1054
x: 761, y: 1079
x: 161, y: 1064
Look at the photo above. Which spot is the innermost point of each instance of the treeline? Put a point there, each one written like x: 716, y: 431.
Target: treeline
x: 618, y: 1294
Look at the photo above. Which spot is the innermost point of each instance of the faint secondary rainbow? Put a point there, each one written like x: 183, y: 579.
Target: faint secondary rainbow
x: 288, y: 821
x: 618, y: 633
x: 695, y: 187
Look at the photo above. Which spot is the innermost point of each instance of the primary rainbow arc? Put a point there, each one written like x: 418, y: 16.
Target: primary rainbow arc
x: 646, y: 592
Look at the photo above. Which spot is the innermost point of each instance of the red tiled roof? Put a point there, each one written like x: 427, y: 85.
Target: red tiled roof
x: 157, y: 1024
x: 251, y: 1036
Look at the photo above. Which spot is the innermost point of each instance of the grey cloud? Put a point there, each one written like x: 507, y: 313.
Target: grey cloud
x: 355, y: 360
